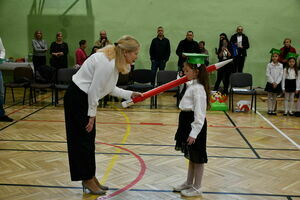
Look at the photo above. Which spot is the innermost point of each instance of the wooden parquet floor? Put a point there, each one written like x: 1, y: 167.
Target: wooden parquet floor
x: 248, y: 158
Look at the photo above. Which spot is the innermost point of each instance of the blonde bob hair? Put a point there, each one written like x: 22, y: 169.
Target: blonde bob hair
x: 125, y: 44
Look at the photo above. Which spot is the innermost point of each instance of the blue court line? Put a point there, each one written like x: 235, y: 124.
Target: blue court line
x: 242, y: 135
x: 231, y: 157
x: 160, y: 145
x: 32, y: 150
x: 50, y: 151
x: 224, y: 193
x: 217, y: 147
x: 46, y: 141
x: 151, y: 190
x: 40, y: 186
x: 161, y: 155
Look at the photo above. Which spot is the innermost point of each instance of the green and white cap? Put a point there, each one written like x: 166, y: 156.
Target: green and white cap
x: 195, y: 58
x: 273, y: 50
x: 292, y: 55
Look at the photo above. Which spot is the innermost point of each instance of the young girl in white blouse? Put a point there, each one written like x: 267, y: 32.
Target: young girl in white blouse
x: 274, y: 74
x: 192, y: 128
x: 289, y: 85
x: 297, y: 113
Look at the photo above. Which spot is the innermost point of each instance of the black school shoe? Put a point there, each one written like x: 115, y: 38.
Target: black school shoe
x: 5, y: 118
x: 291, y: 114
x: 273, y: 113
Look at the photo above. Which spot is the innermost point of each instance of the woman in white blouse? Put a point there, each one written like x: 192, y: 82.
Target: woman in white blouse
x: 192, y: 127
x: 96, y: 78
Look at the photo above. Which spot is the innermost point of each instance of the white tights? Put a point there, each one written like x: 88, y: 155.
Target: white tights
x: 288, y: 101
x: 298, y: 105
x: 195, y: 174
x: 271, y: 101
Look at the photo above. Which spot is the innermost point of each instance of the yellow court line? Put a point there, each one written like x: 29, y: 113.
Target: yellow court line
x: 115, y: 157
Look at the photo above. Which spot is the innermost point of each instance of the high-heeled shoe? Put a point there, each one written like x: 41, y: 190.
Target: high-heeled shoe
x: 102, y: 187
x: 99, y: 192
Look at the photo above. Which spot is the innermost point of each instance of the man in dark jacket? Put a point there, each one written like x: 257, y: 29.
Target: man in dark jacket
x: 159, y: 51
x: 240, y: 44
x: 188, y: 45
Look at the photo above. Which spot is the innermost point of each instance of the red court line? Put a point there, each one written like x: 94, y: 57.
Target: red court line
x: 158, y: 124
x: 150, y: 123
x: 15, y: 111
x: 162, y: 124
x: 135, y: 181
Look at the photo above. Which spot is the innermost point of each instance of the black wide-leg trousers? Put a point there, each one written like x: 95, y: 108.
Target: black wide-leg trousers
x: 81, y: 144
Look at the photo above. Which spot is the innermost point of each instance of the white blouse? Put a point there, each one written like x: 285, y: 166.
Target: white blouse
x: 194, y: 99
x: 239, y: 40
x: 298, y: 81
x: 274, y: 72
x: 98, y: 77
x: 290, y: 75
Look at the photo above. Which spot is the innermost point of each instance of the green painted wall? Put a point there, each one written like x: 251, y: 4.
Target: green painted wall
x: 266, y: 22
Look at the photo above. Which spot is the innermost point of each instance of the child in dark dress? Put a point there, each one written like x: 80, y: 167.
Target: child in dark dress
x: 192, y: 129
x: 274, y: 74
x: 289, y: 84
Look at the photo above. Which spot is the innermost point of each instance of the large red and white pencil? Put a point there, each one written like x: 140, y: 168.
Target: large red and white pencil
x: 218, y: 65
x: 155, y: 91
x: 170, y: 85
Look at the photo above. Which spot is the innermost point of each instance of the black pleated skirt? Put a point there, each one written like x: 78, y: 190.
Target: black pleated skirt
x: 269, y: 88
x: 290, y: 85
x: 197, y: 151
x: 81, y: 144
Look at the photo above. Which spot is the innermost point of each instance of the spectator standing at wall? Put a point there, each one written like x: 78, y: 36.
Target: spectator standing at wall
x: 103, y: 40
x: 188, y: 45
x: 287, y: 48
x: 59, y: 52
x: 159, y: 51
x: 80, y: 52
x: 40, y: 48
x: 203, y: 50
x: 240, y: 44
x: 224, y: 52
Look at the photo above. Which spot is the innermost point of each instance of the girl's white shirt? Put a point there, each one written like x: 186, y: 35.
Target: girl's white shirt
x: 288, y: 74
x: 274, y: 72
x: 194, y: 99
